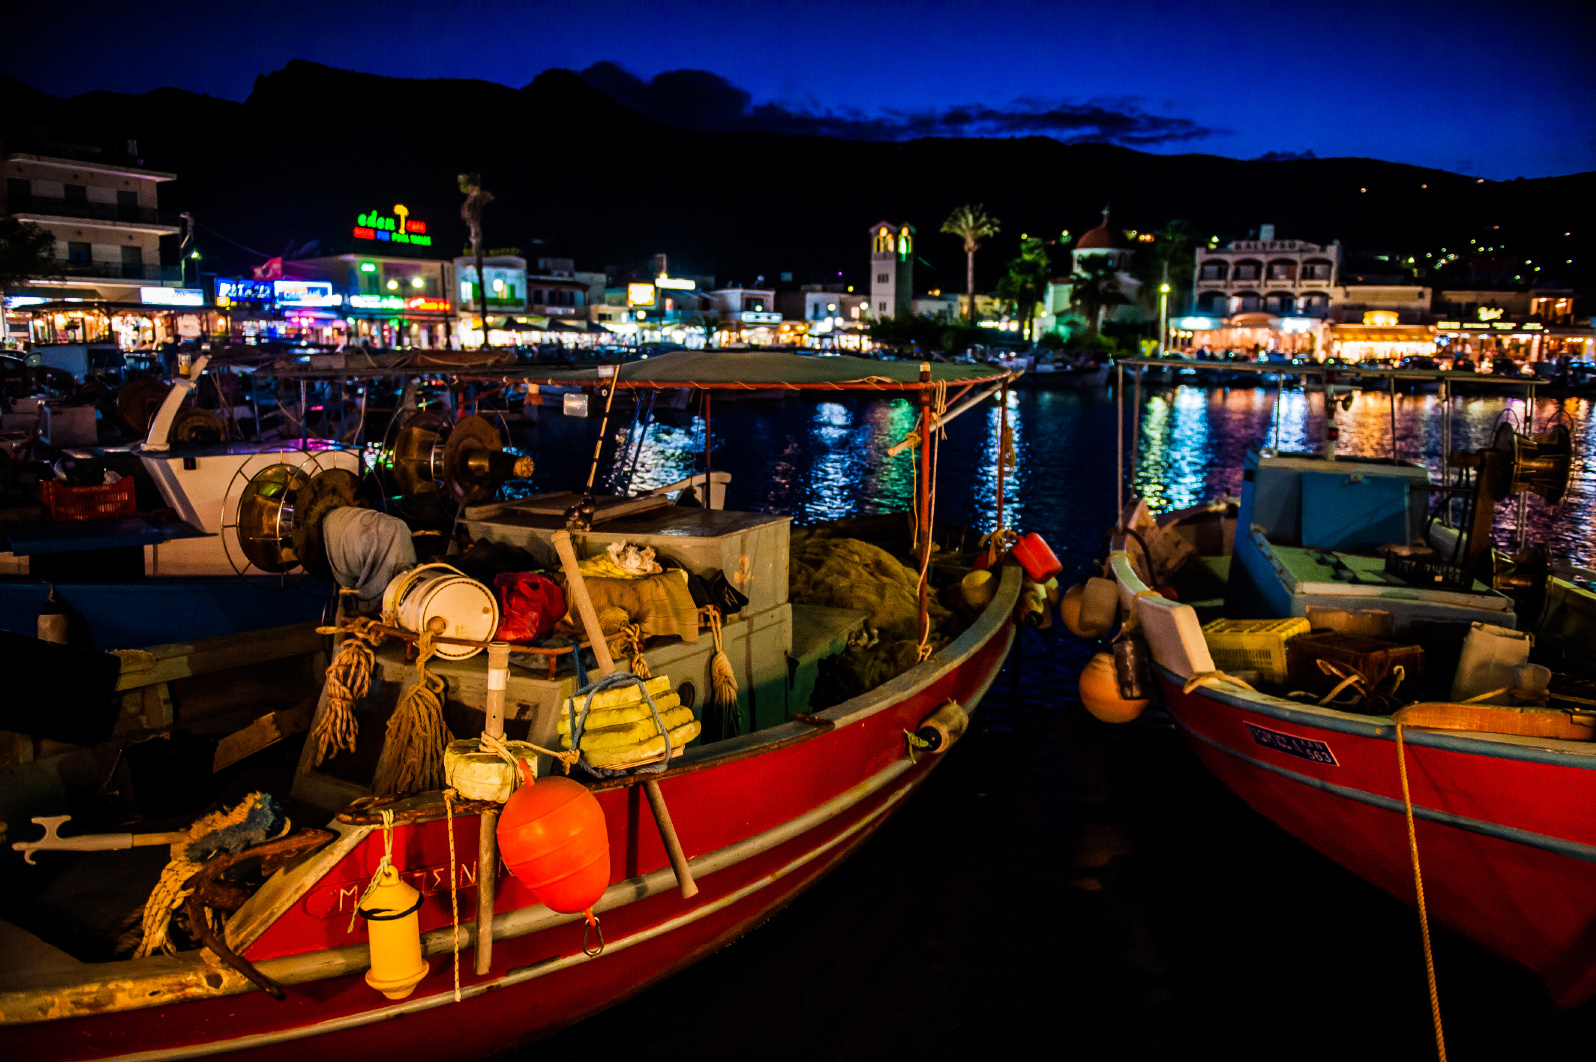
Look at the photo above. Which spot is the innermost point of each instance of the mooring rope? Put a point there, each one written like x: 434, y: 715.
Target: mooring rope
x: 1418, y: 889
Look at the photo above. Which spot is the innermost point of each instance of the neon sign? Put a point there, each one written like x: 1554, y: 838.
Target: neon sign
x: 376, y: 302
x: 401, y: 228
x: 304, y: 293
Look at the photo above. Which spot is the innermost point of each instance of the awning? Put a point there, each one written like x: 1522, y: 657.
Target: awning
x: 710, y: 369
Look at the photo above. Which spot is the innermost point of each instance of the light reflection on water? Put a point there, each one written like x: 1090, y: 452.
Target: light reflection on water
x: 822, y: 459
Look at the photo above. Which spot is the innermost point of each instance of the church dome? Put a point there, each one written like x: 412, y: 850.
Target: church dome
x: 1101, y: 238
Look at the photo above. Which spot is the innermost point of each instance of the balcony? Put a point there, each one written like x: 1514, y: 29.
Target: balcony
x: 74, y: 269
x: 77, y: 208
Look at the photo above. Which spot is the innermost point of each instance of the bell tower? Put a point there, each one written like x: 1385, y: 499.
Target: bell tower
x: 891, y: 269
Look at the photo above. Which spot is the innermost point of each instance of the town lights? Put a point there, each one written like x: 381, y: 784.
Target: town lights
x: 368, y: 267
x: 417, y: 282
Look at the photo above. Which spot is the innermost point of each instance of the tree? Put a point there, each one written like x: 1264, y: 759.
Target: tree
x: 709, y: 321
x: 1026, y: 281
x: 476, y: 197
x: 972, y: 225
x: 1172, y: 246
x: 1093, y: 288
x: 27, y: 252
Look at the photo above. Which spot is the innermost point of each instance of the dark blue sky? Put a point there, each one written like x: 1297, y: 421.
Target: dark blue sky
x: 1498, y: 90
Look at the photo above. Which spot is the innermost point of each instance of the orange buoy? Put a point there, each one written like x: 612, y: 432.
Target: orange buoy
x: 1100, y: 692
x: 553, y: 838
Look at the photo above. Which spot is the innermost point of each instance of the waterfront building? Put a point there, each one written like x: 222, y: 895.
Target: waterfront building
x: 747, y: 315
x: 389, y: 301
x: 1282, y: 278
x: 891, y: 269
x: 1532, y: 325
x: 105, y: 279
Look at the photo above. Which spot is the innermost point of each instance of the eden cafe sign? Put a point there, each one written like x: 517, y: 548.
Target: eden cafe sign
x: 400, y: 228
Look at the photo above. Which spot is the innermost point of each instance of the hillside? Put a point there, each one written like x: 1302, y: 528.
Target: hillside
x: 313, y: 146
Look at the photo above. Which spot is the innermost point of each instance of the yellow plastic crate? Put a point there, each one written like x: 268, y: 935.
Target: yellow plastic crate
x: 1253, y: 645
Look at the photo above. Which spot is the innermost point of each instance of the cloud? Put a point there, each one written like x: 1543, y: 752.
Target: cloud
x: 700, y: 100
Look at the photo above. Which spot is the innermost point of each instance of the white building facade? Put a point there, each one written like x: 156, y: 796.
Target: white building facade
x: 891, y: 269
x: 1282, y: 278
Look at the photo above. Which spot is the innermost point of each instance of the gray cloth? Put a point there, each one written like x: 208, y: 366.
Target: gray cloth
x: 365, y: 548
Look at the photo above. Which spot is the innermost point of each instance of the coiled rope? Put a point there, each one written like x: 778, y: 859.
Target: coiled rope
x: 722, y: 679
x: 1418, y: 890
x: 348, y: 681
x: 412, y: 759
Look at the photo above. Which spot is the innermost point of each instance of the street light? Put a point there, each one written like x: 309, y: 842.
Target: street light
x: 1163, y: 312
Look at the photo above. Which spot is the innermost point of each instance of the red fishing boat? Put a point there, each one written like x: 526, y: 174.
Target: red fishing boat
x: 758, y: 817
x: 1494, y: 792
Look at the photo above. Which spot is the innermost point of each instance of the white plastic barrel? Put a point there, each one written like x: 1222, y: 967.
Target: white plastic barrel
x: 414, y: 598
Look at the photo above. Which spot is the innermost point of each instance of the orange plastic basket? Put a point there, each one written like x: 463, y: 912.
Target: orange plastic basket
x: 111, y: 501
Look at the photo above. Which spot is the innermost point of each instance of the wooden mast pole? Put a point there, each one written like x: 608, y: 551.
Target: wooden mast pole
x: 923, y: 501
x: 488, y: 824
x: 577, y: 588
x: 1003, y: 434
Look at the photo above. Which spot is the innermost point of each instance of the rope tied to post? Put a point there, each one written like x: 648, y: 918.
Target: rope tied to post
x: 1212, y: 678
x: 384, y: 865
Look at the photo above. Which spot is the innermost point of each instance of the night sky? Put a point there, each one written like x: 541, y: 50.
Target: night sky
x: 1495, y: 90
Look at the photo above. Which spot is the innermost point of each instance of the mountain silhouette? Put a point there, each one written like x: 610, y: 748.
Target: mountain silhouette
x: 578, y: 174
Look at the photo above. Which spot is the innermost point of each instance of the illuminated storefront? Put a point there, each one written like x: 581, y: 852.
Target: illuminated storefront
x: 386, y: 301
x: 1251, y: 334
x: 1380, y: 337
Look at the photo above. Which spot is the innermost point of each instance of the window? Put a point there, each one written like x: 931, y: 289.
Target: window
x: 1213, y: 271
x: 79, y: 252
x: 882, y: 278
x: 1316, y: 271
x: 127, y: 205
x: 1315, y: 305
x: 1282, y: 271
x: 1246, y: 271
x: 1280, y: 302
x: 133, y: 263
x: 19, y: 193
x: 884, y: 241
x: 1247, y: 302
x: 883, y: 307
x: 1211, y: 302
x: 75, y: 193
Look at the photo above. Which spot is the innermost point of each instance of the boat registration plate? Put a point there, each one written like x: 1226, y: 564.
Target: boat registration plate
x: 1292, y: 745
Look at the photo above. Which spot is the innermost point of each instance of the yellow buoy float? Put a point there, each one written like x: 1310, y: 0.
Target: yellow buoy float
x: 394, y: 930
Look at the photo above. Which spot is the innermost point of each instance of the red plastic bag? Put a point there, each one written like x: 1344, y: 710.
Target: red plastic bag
x: 529, y: 606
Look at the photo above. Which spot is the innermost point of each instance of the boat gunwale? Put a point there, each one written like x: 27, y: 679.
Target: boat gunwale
x: 192, y: 979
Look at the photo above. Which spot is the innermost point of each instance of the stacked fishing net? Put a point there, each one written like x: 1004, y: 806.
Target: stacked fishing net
x: 620, y: 729
x: 849, y: 573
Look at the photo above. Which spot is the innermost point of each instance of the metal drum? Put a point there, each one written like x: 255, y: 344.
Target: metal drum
x: 415, y: 597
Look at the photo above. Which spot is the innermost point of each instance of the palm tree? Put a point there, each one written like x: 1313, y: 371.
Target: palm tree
x: 1094, y: 288
x: 972, y: 225
x: 476, y: 197
x: 1026, y: 281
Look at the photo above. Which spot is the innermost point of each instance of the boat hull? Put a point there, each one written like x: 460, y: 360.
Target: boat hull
x: 1507, y: 852
x: 761, y: 824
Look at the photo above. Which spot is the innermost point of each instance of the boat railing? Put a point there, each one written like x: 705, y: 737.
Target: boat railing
x: 1325, y: 371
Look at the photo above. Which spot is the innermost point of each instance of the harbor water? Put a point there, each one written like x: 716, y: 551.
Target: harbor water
x: 1060, y: 884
